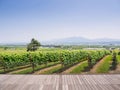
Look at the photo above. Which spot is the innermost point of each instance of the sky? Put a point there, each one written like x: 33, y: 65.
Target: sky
x: 44, y: 20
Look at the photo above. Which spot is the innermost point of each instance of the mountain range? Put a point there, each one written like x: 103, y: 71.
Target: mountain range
x: 74, y: 41
x: 82, y: 40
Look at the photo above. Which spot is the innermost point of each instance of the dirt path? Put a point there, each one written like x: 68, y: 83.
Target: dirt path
x: 93, y: 70
x: 46, y: 69
x: 12, y: 72
x: 71, y: 68
x: 116, y: 71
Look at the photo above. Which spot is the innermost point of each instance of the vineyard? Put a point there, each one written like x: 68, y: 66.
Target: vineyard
x: 52, y: 62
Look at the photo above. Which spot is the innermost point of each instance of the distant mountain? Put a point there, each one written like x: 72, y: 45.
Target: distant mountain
x: 81, y: 40
x: 105, y: 40
x: 64, y: 41
x: 73, y: 41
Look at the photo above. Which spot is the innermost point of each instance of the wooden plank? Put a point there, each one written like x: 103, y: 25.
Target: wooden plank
x: 60, y: 82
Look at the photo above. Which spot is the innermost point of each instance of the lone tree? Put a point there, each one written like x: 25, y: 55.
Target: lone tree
x: 33, y: 45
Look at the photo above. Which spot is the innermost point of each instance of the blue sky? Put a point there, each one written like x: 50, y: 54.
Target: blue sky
x: 21, y: 20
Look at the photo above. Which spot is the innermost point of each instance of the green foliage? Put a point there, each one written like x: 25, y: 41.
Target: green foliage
x: 114, y: 61
x: 66, y: 57
x: 95, y: 56
x: 118, y: 53
x: 11, y: 60
x: 72, y: 57
x: 33, y: 45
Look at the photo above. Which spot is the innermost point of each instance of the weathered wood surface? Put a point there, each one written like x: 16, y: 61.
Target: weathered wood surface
x: 60, y: 82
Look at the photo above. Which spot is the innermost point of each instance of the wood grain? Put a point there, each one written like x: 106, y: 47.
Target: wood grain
x: 60, y: 82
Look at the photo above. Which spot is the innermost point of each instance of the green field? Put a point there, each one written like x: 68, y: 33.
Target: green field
x: 19, y: 61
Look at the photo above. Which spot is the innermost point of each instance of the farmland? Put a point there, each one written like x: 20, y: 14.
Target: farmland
x: 55, y: 61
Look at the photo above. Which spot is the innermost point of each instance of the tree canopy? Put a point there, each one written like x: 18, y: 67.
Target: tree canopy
x: 33, y: 45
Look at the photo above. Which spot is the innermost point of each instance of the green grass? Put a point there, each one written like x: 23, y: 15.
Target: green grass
x: 79, y: 68
x: 105, y: 65
x: 1, y: 71
x: 53, y: 70
x: 118, y: 59
x: 29, y: 70
x: 13, y: 69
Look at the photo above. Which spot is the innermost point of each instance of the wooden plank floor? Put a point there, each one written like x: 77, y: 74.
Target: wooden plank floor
x: 60, y: 82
